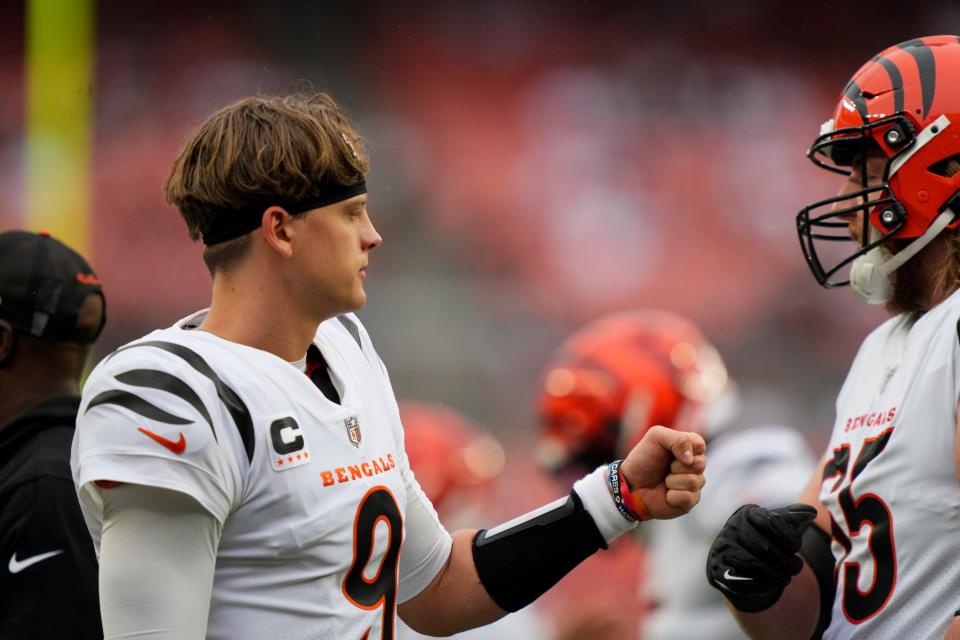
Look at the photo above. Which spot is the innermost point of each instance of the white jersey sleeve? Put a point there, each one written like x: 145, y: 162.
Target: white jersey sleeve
x: 427, y: 545
x: 149, y: 417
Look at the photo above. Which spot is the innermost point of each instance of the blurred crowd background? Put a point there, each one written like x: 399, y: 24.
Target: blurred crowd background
x: 534, y: 165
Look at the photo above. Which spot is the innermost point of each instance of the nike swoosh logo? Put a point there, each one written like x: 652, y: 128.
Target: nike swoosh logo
x: 729, y: 576
x: 16, y: 566
x: 177, y: 447
x: 88, y: 279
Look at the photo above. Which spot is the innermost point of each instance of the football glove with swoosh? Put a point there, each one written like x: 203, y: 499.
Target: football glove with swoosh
x: 754, y: 556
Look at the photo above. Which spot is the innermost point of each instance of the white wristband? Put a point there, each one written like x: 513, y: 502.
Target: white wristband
x: 597, y: 500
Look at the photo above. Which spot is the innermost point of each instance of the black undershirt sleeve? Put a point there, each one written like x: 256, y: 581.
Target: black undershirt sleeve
x: 816, y: 551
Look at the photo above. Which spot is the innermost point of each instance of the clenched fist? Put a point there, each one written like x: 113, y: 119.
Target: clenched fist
x: 665, y: 470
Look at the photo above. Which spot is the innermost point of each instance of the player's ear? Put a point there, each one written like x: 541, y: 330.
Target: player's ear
x: 6, y: 343
x: 277, y: 230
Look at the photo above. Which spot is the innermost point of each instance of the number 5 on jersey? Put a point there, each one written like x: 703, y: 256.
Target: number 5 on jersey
x: 859, y: 606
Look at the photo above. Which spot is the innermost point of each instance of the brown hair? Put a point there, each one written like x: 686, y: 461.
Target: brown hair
x: 948, y: 278
x: 262, y: 147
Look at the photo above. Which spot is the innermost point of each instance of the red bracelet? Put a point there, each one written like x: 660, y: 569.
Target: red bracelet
x: 632, y: 500
x: 629, y: 503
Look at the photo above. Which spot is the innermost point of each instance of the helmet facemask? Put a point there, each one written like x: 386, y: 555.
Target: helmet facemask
x: 885, y: 215
x: 840, y: 151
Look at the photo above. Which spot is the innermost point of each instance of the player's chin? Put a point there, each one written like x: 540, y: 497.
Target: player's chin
x: 357, y: 298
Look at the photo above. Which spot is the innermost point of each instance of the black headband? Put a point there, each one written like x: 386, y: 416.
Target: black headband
x: 233, y: 223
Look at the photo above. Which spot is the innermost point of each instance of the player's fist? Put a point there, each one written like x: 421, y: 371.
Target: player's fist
x: 755, y: 554
x: 665, y: 470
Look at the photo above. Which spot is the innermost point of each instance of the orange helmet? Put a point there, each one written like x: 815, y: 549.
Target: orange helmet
x: 905, y: 104
x: 447, y: 451
x: 618, y: 376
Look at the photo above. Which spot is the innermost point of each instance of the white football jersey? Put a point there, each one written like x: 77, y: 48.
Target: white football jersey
x: 316, y: 498
x: 891, y: 482
x: 765, y: 465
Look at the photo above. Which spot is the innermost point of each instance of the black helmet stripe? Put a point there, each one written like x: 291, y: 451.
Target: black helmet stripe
x: 171, y: 384
x: 856, y: 97
x: 927, y: 68
x: 896, y: 81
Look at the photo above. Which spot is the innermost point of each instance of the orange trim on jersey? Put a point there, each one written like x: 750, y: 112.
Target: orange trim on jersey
x: 873, y: 557
x: 383, y: 560
x: 382, y: 602
x: 356, y: 518
x: 855, y: 566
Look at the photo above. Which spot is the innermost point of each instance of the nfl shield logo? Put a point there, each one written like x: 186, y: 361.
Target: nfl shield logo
x: 353, y: 430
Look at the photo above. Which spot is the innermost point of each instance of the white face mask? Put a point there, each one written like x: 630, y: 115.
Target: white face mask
x: 870, y: 273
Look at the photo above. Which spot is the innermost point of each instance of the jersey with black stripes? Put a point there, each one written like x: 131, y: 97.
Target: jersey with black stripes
x: 316, y: 498
x: 890, y: 482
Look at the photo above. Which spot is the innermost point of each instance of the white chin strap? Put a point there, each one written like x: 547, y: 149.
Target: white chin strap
x: 870, y: 273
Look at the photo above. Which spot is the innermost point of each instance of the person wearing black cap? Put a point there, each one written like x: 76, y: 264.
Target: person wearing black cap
x: 51, y: 311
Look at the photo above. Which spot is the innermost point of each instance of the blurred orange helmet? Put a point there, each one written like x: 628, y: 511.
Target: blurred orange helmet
x: 618, y: 376
x: 447, y: 451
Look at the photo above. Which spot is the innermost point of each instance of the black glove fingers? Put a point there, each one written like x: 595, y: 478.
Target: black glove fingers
x: 799, y: 514
x: 783, y: 527
x: 766, y: 552
x: 755, y: 555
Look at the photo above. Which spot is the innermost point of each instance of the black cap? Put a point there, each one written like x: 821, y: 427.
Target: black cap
x: 43, y: 284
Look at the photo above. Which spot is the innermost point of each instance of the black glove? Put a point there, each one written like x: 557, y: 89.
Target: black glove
x: 755, y: 554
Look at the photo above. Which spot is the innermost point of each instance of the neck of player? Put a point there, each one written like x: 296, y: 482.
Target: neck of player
x: 250, y: 309
x: 924, y: 281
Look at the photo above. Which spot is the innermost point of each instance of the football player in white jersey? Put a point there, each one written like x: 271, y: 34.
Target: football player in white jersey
x: 886, y: 498
x: 623, y: 373
x: 243, y: 472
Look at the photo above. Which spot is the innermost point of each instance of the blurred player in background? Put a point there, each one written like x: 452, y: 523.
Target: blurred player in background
x: 250, y: 458
x: 606, y: 386
x: 456, y: 463
x: 455, y: 460
x: 887, y: 491
x: 51, y: 311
